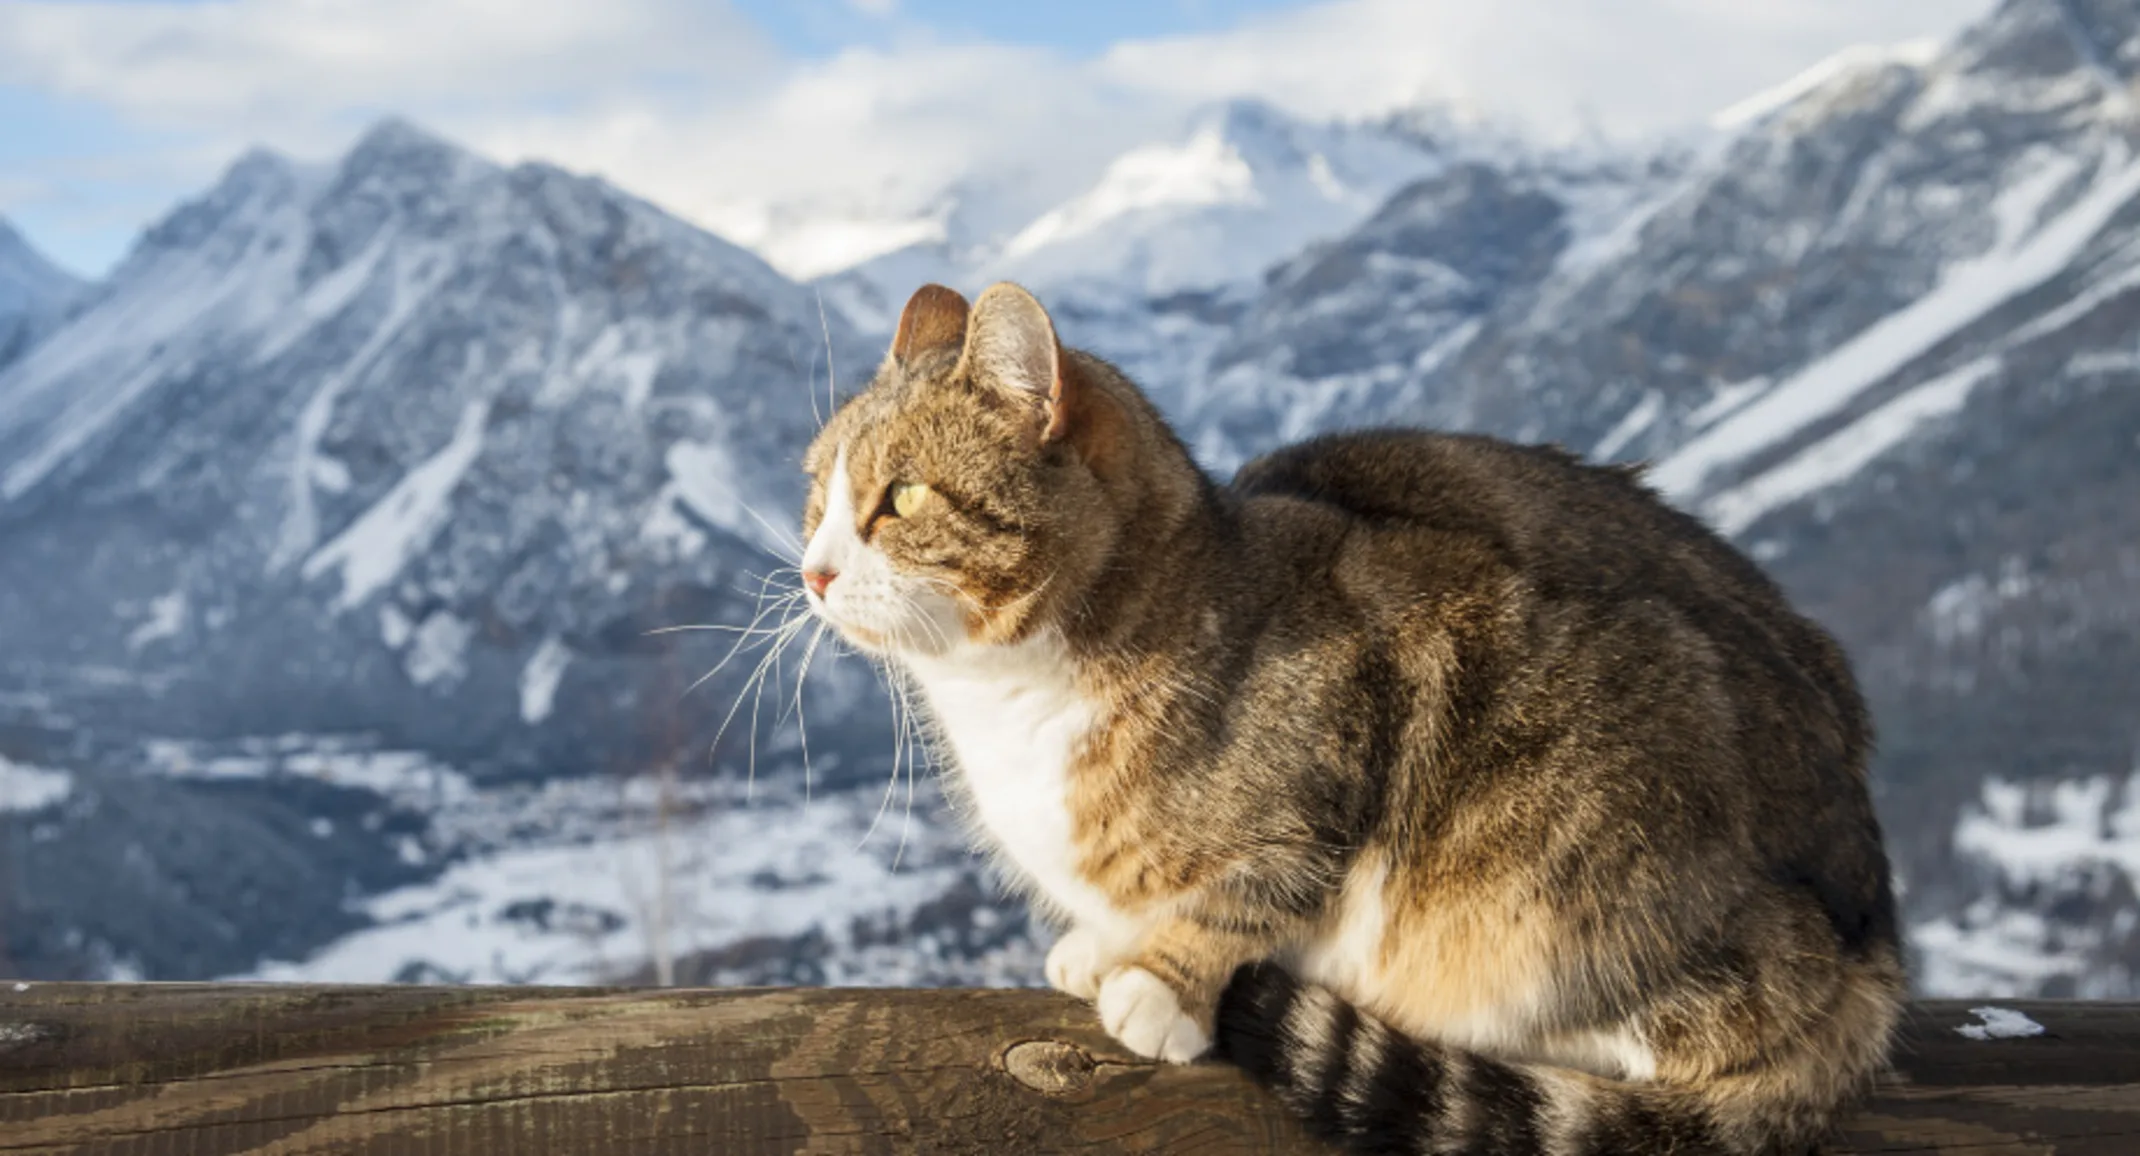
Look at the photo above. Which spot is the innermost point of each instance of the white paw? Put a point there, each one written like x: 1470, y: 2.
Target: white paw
x: 1140, y: 1010
x: 1075, y: 963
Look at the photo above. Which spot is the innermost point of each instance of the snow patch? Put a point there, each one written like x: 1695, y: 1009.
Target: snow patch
x: 1630, y: 427
x: 539, y: 680
x: 1959, y: 610
x: 583, y: 910
x: 1837, y: 457
x: 382, y: 540
x: 705, y: 478
x: 438, y: 651
x: 406, y: 777
x: 1999, y: 1023
x: 2024, y: 256
x: 300, y: 524
x: 28, y: 788
x: 2042, y: 839
x: 1724, y: 400
x: 167, y: 616
x: 1205, y: 170
x: 1245, y: 188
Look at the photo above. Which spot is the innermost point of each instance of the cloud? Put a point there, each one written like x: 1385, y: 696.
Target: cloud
x: 1624, y: 68
x: 267, y: 64
x: 691, y: 105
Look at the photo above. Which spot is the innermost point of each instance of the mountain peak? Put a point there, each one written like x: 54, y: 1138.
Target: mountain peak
x: 397, y: 144
x: 28, y: 280
x: 255, y: 183
x: 2042, y: 38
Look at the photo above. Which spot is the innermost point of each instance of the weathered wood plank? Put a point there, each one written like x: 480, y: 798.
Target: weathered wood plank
x: 183, y: 1069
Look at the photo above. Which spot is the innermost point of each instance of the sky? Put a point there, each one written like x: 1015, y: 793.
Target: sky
x: 743, y: 115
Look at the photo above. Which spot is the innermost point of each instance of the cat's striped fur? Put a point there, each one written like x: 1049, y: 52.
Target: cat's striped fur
x: 1469, y: 796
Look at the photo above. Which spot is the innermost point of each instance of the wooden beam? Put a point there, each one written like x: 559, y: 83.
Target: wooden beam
x: 192, y: 1068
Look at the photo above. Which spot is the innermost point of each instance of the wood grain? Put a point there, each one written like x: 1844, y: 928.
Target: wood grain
x: 176, y: 1069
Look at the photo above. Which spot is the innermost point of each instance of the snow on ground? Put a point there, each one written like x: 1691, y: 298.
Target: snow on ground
x: 2000, y: 1023
x: 581, y: 901
x: 27, y: 788
x: 2025, y: 255
x: 400, y: 525
x: 2072, y: 837
x: 403, y: 777
x: 2038, y: 832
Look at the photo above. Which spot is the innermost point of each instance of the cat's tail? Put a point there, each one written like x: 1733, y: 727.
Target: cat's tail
x: 1371, y: 1089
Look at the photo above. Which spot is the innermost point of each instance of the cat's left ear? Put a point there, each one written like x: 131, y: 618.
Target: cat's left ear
x: 1011, y: 342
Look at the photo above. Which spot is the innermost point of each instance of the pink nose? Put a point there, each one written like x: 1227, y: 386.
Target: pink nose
x: 819, y: 580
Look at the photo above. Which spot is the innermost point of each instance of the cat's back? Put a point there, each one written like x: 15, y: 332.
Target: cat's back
x: 1538, y: 508
x: 1586, y: 545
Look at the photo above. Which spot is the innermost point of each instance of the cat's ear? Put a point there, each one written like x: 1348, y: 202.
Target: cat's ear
x: 1011, y: 343
x: 934, y: 319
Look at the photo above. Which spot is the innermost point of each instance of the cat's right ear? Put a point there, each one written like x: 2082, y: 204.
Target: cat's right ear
x: 934, y: 319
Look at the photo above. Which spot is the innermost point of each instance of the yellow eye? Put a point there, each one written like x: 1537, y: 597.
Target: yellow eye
x: 908, y: 498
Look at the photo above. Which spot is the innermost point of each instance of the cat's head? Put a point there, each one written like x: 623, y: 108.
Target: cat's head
x: 975, y: 488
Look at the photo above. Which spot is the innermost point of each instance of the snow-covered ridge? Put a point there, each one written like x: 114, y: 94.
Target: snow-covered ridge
x: 29, y: 281
x: 1826, y: 75
x: 2027, y: 251
x: 1245, y: 188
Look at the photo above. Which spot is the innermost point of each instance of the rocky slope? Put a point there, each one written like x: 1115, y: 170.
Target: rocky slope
x: 33, y: 293
x: 411, y: 447
x: 410, y: 437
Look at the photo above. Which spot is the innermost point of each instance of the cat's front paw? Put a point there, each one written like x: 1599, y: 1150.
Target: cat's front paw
x: 1138, y: 1009
x: 1076, y: 963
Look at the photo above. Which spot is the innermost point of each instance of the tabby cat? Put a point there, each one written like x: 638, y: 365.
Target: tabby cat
x: 1467, y: 795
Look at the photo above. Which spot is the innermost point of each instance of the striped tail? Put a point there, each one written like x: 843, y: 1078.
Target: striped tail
x: 1370, y: 1089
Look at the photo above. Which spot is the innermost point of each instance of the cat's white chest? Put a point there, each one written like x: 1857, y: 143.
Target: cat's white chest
x: 1014, y: 721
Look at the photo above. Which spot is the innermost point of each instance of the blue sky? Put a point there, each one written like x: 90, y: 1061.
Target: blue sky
x: 818, y: 27
x: 744, y: 114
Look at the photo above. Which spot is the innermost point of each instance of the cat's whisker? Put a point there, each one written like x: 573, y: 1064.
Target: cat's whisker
x: 791, y: 544
x: 898, y: 704
x: 753, y: 689
x: 802, y: 721
x: 696, y: 627
x: 832, y: 373
x: 753, y: 632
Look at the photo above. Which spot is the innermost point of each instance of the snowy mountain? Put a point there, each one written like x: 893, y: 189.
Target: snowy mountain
x: 1241, y: 187
x: 410, y: 447
x: 343, y: 507
x: 33, y: 291
x: 1882, y: 334
x: 409, y: 435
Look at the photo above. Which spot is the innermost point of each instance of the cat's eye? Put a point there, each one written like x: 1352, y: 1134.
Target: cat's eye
x: 907, y: 498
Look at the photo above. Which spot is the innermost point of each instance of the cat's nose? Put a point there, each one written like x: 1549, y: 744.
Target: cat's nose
x: 819, y: 580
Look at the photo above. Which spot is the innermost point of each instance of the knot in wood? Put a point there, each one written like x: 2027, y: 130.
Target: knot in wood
x: 1050, y: 1067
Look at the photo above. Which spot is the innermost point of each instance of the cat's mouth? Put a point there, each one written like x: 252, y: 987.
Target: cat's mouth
x: 889, y: 623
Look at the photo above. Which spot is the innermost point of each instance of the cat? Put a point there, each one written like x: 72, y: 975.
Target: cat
x: 1467, y: 795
